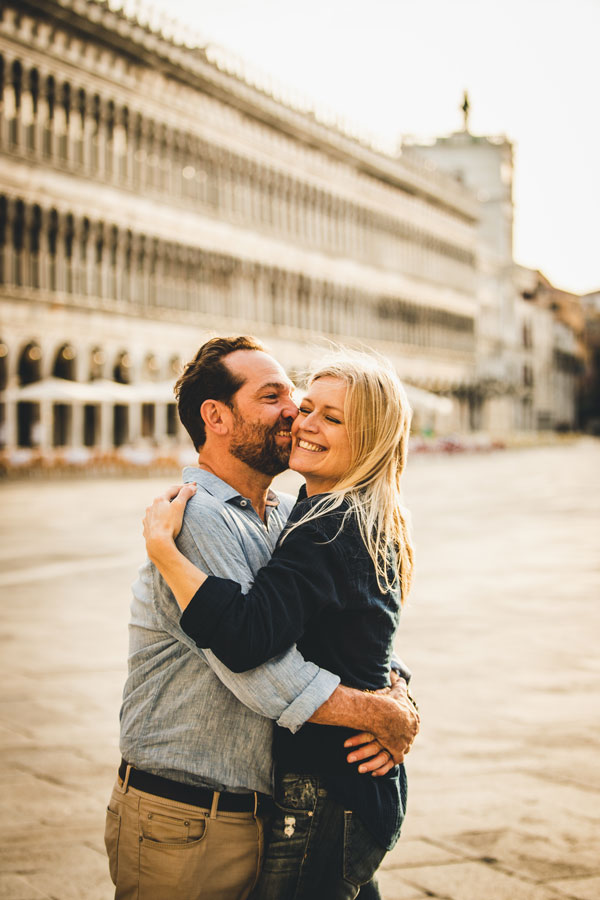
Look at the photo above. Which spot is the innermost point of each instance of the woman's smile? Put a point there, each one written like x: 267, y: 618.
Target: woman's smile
x: 307, y: 445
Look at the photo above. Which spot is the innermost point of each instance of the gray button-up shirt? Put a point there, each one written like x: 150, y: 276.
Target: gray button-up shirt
x: 186, y: 716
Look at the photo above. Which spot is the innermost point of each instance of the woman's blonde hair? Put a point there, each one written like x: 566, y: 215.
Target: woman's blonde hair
x: 377, y: 416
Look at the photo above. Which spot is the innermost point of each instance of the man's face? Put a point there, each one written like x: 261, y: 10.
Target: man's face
x: 263, y: 412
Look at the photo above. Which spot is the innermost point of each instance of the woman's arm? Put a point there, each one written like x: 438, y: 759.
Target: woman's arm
x: 244, y: 630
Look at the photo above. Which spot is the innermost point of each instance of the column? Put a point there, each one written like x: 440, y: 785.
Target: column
x: 62, y: 114
x: 122, y: 156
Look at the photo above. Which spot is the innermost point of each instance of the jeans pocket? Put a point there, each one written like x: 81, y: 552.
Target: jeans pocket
x: 362, y: 853
x: 288, y: 839
x: 111, y: 841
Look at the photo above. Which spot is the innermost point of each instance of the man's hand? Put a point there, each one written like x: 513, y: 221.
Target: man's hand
x: 400, y: 727
x: 377, y: 759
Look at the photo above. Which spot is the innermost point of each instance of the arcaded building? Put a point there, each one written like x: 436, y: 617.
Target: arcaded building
x: 152, y: 196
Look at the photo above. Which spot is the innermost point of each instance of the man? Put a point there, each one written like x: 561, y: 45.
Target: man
x: 184, y: 820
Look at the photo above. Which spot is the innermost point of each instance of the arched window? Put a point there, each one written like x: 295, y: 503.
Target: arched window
x: 64, y: 363
x: 52, y: 248
x: 3, y: 365
x: 122, y: 368
x: 69, y: 239
x: 64, y: 120
x: 29, y: 369
x: 80, y: 139
x: 3, y: 224
x: 18, y: 242
x: 97, y: 361
x: 30, y: 364
x: 49, y: 123
x: 13, y: 114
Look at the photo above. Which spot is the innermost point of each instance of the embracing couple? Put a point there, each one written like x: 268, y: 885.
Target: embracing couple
x: 268, y: 611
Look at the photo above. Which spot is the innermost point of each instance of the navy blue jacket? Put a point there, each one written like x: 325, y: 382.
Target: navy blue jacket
x: 319, y: 590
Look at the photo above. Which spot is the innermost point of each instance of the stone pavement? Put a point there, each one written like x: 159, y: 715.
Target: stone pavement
x: 502, y: 631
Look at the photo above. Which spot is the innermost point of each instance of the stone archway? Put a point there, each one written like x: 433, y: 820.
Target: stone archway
x: 62, y: 413
x: 29, y: 370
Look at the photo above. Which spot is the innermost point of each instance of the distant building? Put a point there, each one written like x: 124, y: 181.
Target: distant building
x: 530, y: 335
x: 151, y: 196
x: 551, y: 325
x: 590, y: 390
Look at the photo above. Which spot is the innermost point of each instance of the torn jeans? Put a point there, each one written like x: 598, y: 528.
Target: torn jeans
x: 316, y: 848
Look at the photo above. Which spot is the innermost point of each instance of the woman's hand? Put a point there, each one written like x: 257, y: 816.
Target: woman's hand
x: 164, y: 517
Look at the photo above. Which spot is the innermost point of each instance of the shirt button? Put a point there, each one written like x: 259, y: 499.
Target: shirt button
x: 243, y: 503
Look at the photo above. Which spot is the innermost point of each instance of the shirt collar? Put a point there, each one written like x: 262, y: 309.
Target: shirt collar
x: 218, y: 488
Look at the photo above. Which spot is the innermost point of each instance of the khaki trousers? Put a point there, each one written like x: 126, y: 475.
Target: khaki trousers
x: 159, y: 849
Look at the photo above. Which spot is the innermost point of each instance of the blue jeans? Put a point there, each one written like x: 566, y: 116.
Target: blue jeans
x: 316, y: 849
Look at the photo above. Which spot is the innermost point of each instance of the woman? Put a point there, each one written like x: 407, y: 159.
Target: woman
x: 334, y: 586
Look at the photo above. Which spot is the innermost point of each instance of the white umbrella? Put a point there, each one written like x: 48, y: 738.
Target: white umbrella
x: 153, y: 392
x: 425, y: 401
x: 61, y: 390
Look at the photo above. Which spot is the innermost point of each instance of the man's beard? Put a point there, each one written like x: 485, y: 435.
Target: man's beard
x: 256, y: 445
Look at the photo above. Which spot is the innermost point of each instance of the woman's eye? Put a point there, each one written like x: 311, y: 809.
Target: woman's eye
x: 331, y: 419
x: 303, y: 410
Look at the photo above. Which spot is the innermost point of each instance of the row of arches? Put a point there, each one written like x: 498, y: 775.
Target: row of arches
x: 50, y: 119
x: 35, y: 411
x: 99, y: 264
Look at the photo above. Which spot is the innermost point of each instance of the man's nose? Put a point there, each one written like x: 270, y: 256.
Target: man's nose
x: 289, y: 410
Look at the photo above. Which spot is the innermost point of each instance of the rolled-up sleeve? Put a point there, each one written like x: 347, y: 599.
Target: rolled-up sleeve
x: 287, y: 688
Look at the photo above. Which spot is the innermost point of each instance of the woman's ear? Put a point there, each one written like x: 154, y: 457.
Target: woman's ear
x: 216, y: 416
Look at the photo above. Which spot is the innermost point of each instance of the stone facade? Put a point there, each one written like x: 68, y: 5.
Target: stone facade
x: 150, y: 198
x: 151, y: 195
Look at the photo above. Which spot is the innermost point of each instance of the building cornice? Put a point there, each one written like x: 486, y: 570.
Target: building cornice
x: 96, y: 21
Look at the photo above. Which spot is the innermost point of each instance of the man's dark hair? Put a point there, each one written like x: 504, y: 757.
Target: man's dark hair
x: 206, y: 377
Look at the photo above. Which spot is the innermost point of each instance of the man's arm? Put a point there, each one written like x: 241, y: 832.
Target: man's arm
x: 279, y: 688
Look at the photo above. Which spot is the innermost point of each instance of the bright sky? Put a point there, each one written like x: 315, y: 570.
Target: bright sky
x: 395, y: 67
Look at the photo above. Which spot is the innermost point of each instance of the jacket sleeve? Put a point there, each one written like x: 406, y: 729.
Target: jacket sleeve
x: 288, y: 689
x: 303, y: 577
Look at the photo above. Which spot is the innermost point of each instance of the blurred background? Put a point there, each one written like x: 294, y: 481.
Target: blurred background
x: 417, y: 178
x: 155, y: 189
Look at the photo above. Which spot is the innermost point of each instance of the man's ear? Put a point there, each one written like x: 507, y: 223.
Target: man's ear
x: 216, y: 416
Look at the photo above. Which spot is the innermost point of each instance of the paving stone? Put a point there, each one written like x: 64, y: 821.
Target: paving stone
x: 392, y: 886
x: 13, y: 887
x: 474, y: 881
x: 76, y: 873
x: 580, y: 888
x: 538, y: 858
x: 418, y: 853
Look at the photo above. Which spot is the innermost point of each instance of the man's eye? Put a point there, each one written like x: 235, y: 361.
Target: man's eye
x: 270, y: 397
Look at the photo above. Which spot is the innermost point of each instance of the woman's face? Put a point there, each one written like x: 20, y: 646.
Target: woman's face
x: 320, y: 445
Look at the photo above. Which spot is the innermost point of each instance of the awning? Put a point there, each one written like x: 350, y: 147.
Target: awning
x: 61, y: 390
x: 425, y: 401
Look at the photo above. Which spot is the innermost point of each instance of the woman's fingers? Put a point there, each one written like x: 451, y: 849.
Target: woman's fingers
x: 386, y: 767
x: 365, y: 737
x: 171, y: 492
x: 164, y: 516
x: 371, y: 765
x: 371, y: 748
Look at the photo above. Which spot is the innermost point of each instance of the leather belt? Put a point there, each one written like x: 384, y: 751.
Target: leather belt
x: 191, y: 794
